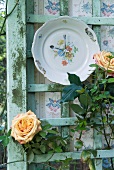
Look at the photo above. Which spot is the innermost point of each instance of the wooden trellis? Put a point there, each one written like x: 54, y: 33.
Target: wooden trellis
x: 20, y: 78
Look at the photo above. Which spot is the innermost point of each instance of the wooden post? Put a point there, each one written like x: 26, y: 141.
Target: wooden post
x: 16, y: 76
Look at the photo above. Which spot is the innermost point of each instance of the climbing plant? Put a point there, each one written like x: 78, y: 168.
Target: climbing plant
x: 95, y: 107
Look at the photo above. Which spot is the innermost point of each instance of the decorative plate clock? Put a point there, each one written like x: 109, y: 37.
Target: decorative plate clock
x: 64, y: 45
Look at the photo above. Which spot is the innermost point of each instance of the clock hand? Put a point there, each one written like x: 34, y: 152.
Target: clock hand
x: 52, y: 47
x: 64, y: 36
x: 60, y: 51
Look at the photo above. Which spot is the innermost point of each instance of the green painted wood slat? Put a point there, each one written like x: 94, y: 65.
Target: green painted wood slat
x: 66, y: 121
x: 97, y: 29
x: 30, y: 65
x: 30, y: 62
x: 73, y: 155
x: 63, y: 7
x: 34, y: 18
x: 65, y: 131
x: 45, y: 88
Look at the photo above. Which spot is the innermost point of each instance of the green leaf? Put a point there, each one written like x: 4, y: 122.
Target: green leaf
x: 81, y: 128
x: 46, y: 127
x: 111, y: 57
x: 43, y: 134
x: 94, y: 152
x: 93, y: 65
x: 91, y: 165
x: 5, y: 141
x: 51, y: 145
x: 50, y: 152
x: 36, y: 151
x: 104, y: 81
x: 2, y: 137
x: 75, y: 49
x: 78, y: 144
x: 77, y: 109
x: 63, y: 142
x: 110, y: 88
x: 85, y: 156
x: 84, y: 123
x: 27, y: 145
x: 81, y: 91
x: 36, y: 145
x: 9, y: 133
x: 69, y: 93
x: 58, y: 149
x: 42, y: 148
x: 111, y: 80
x: 52, y: 131
x: 74, y: 79
x: 85, y: 100
x: 30, y: 156
x: 94, y: 89
x: 104, y: 119
x: 38, y: 138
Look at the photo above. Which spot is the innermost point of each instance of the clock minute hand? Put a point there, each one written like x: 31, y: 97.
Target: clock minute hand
x: 64, y: 36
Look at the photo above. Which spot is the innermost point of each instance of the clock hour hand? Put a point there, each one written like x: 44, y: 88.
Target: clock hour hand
x: 55, y: 48
x: 59, y: 50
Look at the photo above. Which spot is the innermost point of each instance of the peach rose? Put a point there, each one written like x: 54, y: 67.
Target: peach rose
x: 102, y: 59
x: 25, y: 126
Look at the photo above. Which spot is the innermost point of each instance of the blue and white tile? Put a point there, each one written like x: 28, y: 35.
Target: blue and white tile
x: 80, y: 7
x: 52, y: 7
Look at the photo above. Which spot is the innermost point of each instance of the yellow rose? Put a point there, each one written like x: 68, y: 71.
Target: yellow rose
x: 25, y: 126
x: 102, y: 59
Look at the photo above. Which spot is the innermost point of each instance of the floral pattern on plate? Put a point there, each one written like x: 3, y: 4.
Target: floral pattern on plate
x: 65, y: 50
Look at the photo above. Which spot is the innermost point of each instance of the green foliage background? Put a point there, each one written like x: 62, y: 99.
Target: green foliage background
x: 2, y: 58
x: 3, y: 77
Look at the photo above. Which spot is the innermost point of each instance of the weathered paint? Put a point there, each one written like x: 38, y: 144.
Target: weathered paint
x: 30, y: 65
x: 34, y: 18
x: 65, y: 131
x: 30, y: 62
x: 97, y: 138
x: 63, y: 7
x: 16, y: 76
x: 19, y: 61
x: 45, y: 87
x: 73, y: 155
x: 65, y: 112
x: 70, y: 121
